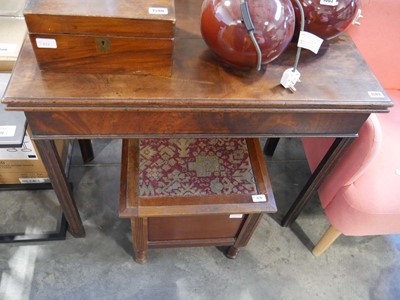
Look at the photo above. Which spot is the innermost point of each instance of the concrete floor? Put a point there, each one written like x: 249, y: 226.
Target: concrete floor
x: 277, y: 263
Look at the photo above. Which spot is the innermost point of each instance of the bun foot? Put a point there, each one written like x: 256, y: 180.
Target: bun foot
x: 232, y: 252
x: 140, y: 257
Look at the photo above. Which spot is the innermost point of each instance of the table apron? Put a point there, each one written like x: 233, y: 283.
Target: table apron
x: 126, y: 124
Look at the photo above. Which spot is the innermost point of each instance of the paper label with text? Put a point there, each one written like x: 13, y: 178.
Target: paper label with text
x: 46, y: 43
x: 329, y: 2
x: 34, y: 180
x: 7, y: 49
x: 158, y: 11
x: 259, y: 198
x: 309, y: 41
x: 235, y: 216
x: 7, y: 131
x: 376, y: 94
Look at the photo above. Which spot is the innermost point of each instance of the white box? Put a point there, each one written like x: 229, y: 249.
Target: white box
x: 12, y: 34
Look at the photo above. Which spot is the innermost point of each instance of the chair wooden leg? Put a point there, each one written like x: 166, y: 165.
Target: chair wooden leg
x: 326, y: 240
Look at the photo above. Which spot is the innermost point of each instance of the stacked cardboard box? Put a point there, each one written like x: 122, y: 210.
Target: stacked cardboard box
x: 12, y: 32
x: 23, y: 164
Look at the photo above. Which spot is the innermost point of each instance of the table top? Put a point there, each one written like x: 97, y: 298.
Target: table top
x: 335, y: 79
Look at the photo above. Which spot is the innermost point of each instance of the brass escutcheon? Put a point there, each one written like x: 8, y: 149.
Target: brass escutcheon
x: 103, y: 44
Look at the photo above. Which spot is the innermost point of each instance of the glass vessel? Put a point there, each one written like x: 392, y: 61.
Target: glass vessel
x: 326, y: 18
x: 225, y: 33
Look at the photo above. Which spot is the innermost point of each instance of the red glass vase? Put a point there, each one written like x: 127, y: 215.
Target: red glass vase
x: 326, y: 18
x: 225, y: 33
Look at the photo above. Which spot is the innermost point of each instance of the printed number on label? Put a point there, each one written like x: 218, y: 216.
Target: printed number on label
x: 376, y: 94
x: 46, y: 43
x: 329, y: 2
x: 34, y: 180
x: 158, y: 11
x: 259, y: 198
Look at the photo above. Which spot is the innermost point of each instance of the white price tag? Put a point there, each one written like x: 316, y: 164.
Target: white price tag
x: 259, y: 198
x: 46, y: 43
x: 376, y: 94
x: 235, y: 216
x: 34, y: 180
x: 158, y: 11
x: 309, y: 41
x: 7, y: 49
x: 329, y: 2
x: 7, y: 131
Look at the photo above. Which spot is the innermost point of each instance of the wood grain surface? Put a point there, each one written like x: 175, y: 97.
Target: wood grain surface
x: 335, y: 80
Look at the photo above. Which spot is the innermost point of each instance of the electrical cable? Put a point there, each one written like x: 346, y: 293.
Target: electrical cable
x: 302, y: 22
x: 258, y: 50
x: 244, y: 9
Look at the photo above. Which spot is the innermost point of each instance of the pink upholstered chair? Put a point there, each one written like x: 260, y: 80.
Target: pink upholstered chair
x: 361, y: 196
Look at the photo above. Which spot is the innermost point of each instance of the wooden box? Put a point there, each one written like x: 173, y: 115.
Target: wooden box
x: 193, y: 192
x: 102, y: 36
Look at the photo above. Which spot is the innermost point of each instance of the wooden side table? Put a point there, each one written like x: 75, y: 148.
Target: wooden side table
x: 193, y: 192
x: 200, y: 99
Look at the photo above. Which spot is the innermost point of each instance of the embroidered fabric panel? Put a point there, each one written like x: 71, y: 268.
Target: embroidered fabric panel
x: 194, y: 167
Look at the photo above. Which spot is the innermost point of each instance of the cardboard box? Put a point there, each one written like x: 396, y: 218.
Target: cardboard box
x: 24, y: 165
x: 117, y: 36
x: 12, y: 35
x: 13, y: 8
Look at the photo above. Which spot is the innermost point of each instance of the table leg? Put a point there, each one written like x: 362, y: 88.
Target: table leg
x: 335, y: 152
x: 86, y: 150
x: 245, y: 234
x: 139, y: 239
x: 55, y: 170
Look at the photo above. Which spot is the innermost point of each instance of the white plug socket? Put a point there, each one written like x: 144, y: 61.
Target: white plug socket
x: 289, y: 78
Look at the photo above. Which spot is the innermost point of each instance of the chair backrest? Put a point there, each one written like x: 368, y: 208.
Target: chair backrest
x: 378, y: 39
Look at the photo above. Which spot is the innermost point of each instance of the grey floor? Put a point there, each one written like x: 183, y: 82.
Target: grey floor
x: 277, y: 263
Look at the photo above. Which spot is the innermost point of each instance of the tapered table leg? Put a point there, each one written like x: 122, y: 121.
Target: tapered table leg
x: 335, y: 152
x: 245, y: 234
x: 139, y: 239
x: 55, y: 170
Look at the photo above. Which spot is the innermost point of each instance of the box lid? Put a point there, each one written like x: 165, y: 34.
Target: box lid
x: 130, y: 18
